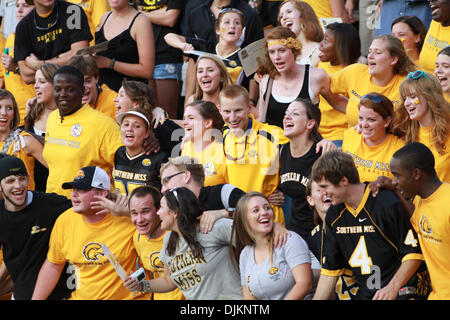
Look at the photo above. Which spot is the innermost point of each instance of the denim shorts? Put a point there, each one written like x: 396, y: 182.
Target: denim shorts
x: 167, y: 71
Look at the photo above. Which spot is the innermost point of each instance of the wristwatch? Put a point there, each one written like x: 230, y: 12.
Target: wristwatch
x: 230, y: 212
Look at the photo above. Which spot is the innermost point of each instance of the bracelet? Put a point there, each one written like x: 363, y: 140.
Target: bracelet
x: 111, y: 64
x: 144, y: 287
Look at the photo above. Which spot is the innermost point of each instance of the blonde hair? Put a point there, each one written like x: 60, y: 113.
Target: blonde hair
x: 430, y: 88
x: 225, y: 78
x: 184, y: 163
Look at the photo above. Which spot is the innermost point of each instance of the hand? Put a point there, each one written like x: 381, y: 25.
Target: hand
x: 349, y: 7
x: 276, y: 198
x: 131, y: 284
x: 8, y: 62
x: 117, y: 206
x: 208, y: 218
x: 102, y: 62
x: 382, y: 182
x: 280, y: 235
x: 33, y: 62
x: 187, y: 47
x: 358, y: 128
x: 325, y: 145
x: 151, y: 144
x: 386, y: 293
x: 159, y: 116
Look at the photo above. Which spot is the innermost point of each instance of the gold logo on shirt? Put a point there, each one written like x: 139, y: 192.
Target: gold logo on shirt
x: 93, y: 251
x: 37, y: 229
x: 425, y: 225
x: 146, y: 162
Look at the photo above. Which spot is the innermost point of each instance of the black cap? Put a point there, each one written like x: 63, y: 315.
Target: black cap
x: 88, y: 178
x: 10, y: 165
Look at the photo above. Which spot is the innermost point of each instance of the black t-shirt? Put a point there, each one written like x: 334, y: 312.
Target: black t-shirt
x: 163, y: 52
x: 200, y: 21
x: 371, y: 240
x: 221, y: 196
x: 48, y: 37
x: 294, y: 176
x: 25, y: 235
x: 137, y: 171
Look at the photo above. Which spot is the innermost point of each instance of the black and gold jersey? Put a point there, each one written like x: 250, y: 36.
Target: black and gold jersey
x: 131, y: 172
x: 371, y: 240
x: 346, y: 285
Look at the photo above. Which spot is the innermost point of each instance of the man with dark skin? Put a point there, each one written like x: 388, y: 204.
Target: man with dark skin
x: 426, y: 198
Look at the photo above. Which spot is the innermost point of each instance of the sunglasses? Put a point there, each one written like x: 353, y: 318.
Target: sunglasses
x: 416, y: 75
x: 174, y: 192
x: 373, y: 98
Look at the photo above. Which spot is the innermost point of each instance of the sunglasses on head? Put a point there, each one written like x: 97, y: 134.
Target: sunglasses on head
x: 416, y: 75
x: 373, y: 98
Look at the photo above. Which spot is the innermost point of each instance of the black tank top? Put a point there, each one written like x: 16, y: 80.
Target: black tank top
x: 276, y: 110
x: 123, y: 48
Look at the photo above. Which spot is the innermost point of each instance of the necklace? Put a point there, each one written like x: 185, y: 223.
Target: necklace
x: 49, y: 26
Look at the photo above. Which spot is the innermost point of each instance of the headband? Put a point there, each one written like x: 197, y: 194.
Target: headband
x: 291, y: 43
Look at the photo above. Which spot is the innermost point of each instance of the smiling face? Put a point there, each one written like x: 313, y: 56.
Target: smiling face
x: 296, y: 122
x: 14, y: 190
x: 230, y: 27
x: 143, y: 214
x: 68, y: 93
x: 373, y: 125
x: 335, y: 193
x: 167, y: 216
x: 440, y: 11
x: 90, y: 89
x: 379, y: 59
x: 417, y: 108
x: 289, y: 17
x: 403, y: 32
x: 123, y: 102
x: 442, y: 71
x: 134, y: 131
x: 327, y: 47
x: 403, y: 179
x: 259, y: 216
x: 208, y: 76
x: 319, y: 200
x: 235, y: 112
x: 81, y: 200
x: 6, y: 115
x: 193, y: 123
x: 43, y: 89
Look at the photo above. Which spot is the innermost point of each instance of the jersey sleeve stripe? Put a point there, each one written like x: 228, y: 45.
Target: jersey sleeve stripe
x: 332, y: 273
x: 413, y: 256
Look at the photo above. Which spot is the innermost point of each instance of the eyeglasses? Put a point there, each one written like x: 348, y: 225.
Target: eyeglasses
x: 166, y: 180
x: 46, y: 28
x: 373, y: 98
x: 416, y: 75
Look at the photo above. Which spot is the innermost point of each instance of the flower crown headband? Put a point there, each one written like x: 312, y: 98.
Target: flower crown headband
x: 291, y: 43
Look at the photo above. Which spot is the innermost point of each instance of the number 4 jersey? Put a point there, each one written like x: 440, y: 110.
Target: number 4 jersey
x: 372, y: 240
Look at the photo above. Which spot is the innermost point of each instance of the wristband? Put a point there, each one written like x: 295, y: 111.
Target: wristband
x: 111, y: 64
x: 144, y: 287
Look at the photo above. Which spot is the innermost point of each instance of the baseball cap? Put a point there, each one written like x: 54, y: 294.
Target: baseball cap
x: 10, y: 165
x: 136, y: 113
x: 89, y: 177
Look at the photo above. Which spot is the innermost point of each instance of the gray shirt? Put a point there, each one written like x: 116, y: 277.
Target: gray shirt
x: 211, y: 276
x: 273, y: 282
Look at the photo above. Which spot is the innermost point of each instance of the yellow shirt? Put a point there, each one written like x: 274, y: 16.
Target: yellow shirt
x: 105, y: 101
x: 14, y: 83
x: 148, y: 251
x: 84, y: 138
x: 94, y: 11
x: 322, y: 8
x: 371, y: 162
x: 354, y: 81
x: 212, y: 159
x: 431, y: 220
x: 16, y: 149
x: 332, y: 122
x: 437, y: 38
x: 442, y: 161
x: 252, y: 160
x: 80, y: 243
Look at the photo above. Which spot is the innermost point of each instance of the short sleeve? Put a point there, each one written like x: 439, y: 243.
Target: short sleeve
x: 55, y: 253
x: 296, y: 251
x: 243, y: 261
